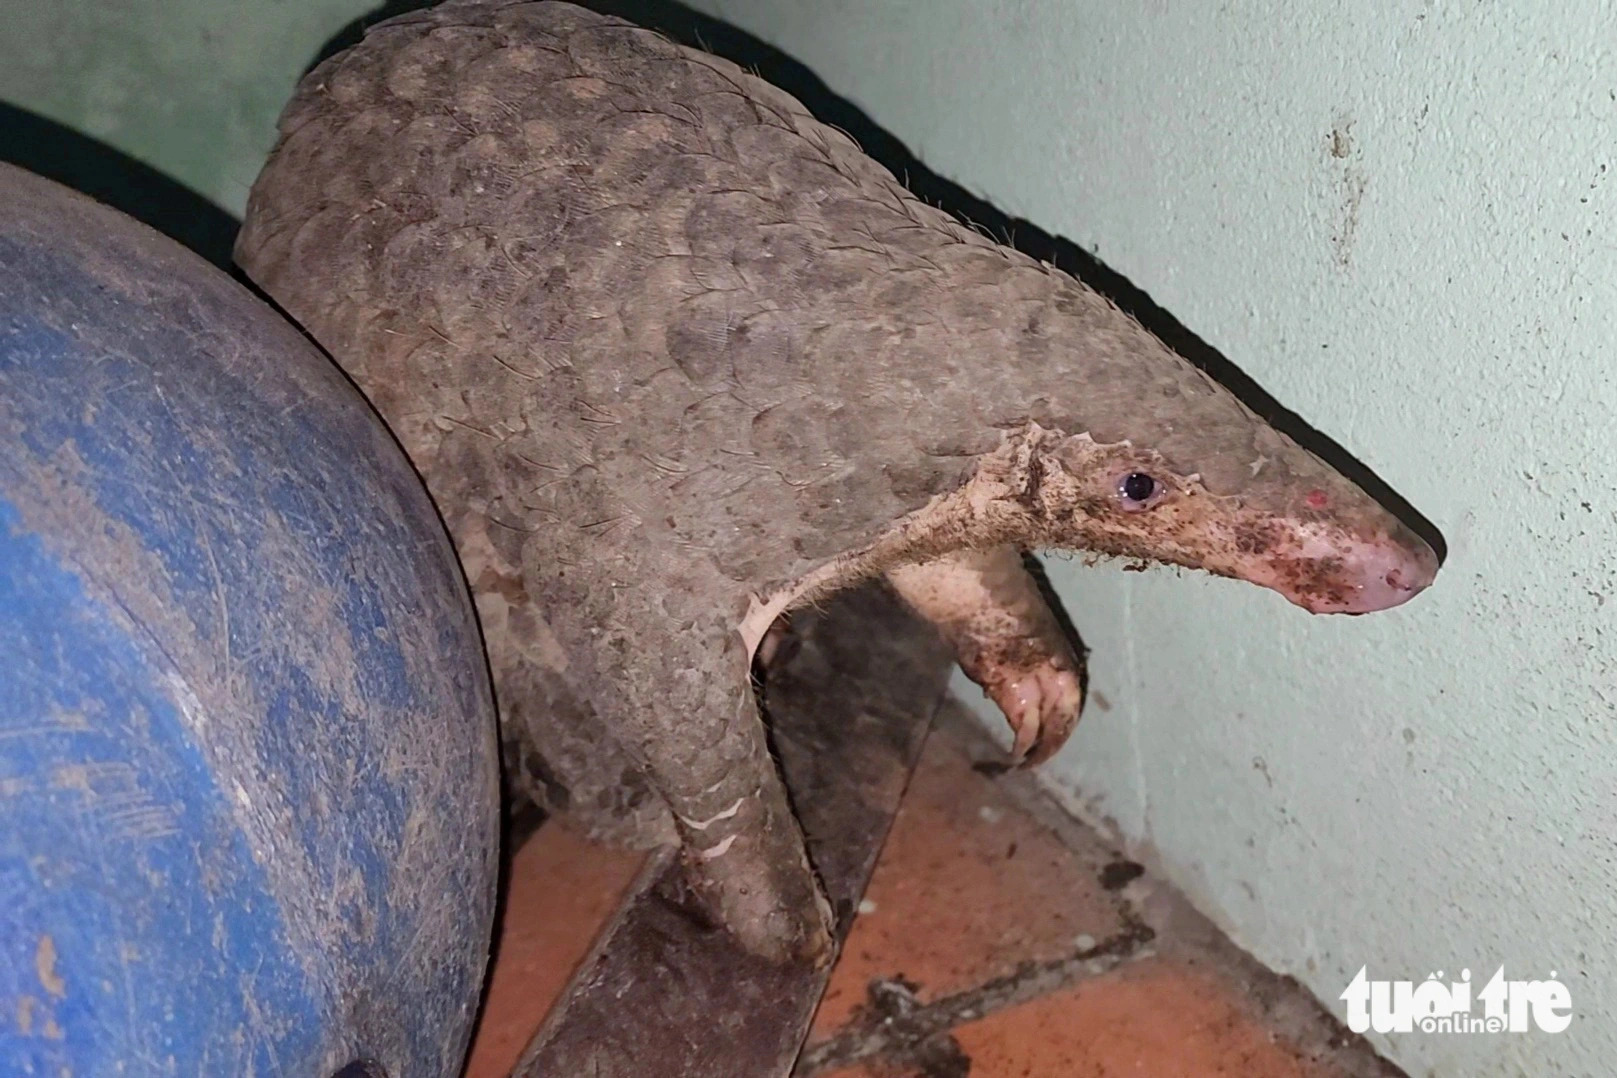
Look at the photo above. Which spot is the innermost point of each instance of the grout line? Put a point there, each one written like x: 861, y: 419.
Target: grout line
x: 897, y: 1027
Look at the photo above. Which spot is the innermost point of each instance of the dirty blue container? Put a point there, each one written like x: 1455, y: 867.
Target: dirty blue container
x: 248, y: 773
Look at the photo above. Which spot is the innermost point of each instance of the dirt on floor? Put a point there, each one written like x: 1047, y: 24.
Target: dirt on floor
x: 999, y: 938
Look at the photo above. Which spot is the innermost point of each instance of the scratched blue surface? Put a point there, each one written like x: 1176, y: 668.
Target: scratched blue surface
x: 247, y: 605
x: 135, y: 917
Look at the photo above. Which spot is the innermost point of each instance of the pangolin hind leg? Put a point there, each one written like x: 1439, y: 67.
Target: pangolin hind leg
x: 1006, y: 638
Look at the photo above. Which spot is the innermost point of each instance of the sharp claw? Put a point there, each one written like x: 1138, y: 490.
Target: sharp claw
x: 1041, y: 715
x: 1027, y: 738
x: 1025, y: 714
x: 1047, y: 745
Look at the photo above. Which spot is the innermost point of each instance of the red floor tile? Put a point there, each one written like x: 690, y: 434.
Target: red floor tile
x: 562, y: 890
x: 968, y: 888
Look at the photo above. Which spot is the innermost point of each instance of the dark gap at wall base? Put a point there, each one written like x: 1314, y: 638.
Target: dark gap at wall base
x: 89, y: 166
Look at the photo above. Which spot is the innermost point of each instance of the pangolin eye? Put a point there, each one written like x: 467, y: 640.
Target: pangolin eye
x: 1137, y: 489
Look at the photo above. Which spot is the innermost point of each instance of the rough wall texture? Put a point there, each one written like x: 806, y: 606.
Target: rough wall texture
x: 1396, y: 218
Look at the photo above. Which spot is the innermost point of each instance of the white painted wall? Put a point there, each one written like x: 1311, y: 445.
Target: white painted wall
x: 1427, y: 789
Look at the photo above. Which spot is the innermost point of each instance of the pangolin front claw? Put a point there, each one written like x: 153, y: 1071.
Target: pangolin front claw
x: 1006, y: 638
x: 1042, y: 705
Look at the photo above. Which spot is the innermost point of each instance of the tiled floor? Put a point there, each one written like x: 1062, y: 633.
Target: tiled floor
x: 1151, y: 1019
x: 561, y: 890
x: 1006, y: 949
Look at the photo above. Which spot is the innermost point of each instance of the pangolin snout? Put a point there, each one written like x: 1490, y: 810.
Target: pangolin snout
x: 1347, y: 574
x: 1375, y: 574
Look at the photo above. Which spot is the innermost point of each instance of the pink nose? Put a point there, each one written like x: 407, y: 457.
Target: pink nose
x: 1379, y: 575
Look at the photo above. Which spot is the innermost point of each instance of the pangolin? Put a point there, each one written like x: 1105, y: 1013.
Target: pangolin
x: 675, y: 359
